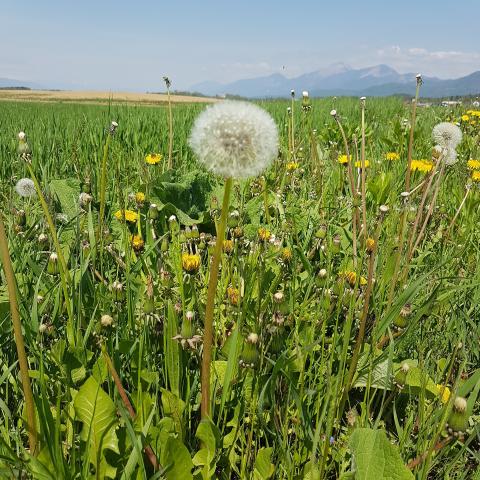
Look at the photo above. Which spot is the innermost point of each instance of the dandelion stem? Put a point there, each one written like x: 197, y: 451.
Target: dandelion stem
x: 457, y: 213
x: 170, y: 130
x: 209, y: 309
x: 103, y: 187
x: 18, y: 337
x: 363, y: 174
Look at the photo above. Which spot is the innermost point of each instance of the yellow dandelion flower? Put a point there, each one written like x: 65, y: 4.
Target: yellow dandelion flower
x: 286, y: 254
x: 473, y: 164
x: 343, y: 159
x: 139, y: 197
x: 233, y: 295
x: 359, y: 164
x: 351, y: 278
x: 137, y: 243
x: 264, y: 234
x: 292, y: 166
x: 423, y: 166
x: 370, y: 245
x: 190, y: 262
x: 476, y: 175
x: 443, y: 392
x: 228, y: 246
x: 153, y: 158
x: 392, y: 156
x: 128, y: 215
x: 465, y: 118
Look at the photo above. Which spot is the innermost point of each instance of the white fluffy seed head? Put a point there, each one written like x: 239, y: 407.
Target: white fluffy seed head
x: 447, y: 135
x: 333, y: 113
x: 25, y: 187
x: 21, y: 136
x: 305, y: 94
x: 235, y: 139
x: 451, y: 156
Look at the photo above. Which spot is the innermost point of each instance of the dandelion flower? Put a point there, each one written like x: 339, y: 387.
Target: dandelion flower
x: 128, y: 215
x: 139, y: 197
x: 343, y: 159
x: 137, y: 243
x: 423, y: 166
x: 25, y: 187
x: 473, y: 164
x: 359, y: 164
x: 292, y: 166
x: 190, y: 263
x: 447, y: 135
x: 444, y: 393
x: 476, y: 175
x: 153, y: 158
x: 392, y: 156
x: 235, y: 139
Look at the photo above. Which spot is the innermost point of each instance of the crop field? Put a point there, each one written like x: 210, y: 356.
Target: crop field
x: 173, y: 307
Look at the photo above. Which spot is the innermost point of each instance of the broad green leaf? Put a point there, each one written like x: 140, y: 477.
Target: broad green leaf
x: 375, y: 457
x: 176, y: 460
x: 173, y: 407
x: 263, y: 468
x: 96, y: 410
x: 67, y: 191
x: 209, y: 438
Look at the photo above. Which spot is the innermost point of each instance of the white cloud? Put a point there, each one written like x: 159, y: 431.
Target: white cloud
x: 442, y: 63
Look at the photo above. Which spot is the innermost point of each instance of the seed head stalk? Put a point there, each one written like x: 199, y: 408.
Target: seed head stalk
x: 403, y: 215
x: 18, y: 337
x: 363, y: 173
x: 168, y: 83
x: 209, y: 309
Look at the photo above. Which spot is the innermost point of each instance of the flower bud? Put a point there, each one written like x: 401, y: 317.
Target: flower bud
x: 52, y: 266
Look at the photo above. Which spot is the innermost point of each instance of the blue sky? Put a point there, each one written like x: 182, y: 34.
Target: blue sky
x: 131, y: 44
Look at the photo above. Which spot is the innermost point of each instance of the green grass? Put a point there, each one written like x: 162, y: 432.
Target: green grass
x: 292, y: 415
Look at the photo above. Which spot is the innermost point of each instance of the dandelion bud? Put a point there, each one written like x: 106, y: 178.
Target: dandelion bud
x: 84, y: 199
x: 333, y: 113
x: 249, y: 356
x: 153, y: 211
x: 189, y: 315
x: 40, y: 299
x: 233, y: 218
x: 322, y: 273
x: 42, y: 328
x: 252, y: 338
x: 21, y: 218
x: 336, y: 243
x: 113, y: 127
x: 402, y: 320
x: 401, y: 376
x: 117, y: 291
x: 52, y: 266
x: 305, y: 94
x: 21, y: 136
x: 106, y: 321
x: 292, y: 93
x: 42, y: 239
x: 164, y: 244
x: 458, y: 420
x: 194, y: 232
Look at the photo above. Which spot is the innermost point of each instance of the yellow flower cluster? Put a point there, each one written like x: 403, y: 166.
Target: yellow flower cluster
x: 292, y: 166
x: 128, y: 215
x: 153, y: 158
x: 473, y: 164
x: 351, y: 278
x: 392, y: 156
x: 359, y: 164
x: 423, y: 166
x: 190, y: 262
x: 137, y: 243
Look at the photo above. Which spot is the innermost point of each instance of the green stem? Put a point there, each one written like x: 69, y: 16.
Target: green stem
x: 103, y: 187
x: 18, y: 336
x: 170, y: 130
x: 212, y: 288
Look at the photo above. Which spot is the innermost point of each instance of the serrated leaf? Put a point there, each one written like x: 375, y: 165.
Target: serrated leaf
x: 96, y: 410
x: 375, y: 457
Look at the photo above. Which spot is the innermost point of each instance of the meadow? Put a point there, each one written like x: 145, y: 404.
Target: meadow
x: 346, y: 319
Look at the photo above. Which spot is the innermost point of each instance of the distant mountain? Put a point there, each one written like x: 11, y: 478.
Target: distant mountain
x: 13, y: 83
x: 339, y: 79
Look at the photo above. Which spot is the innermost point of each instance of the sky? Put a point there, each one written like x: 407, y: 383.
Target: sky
x: 131, y: 45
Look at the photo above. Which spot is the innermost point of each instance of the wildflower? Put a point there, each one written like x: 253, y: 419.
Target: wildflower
x: 343, y: 159
x: 106, y: 321
x: 476, y: 175
x: 473, y: 164
x: 264, y: 234
x: 137, y: 243
x: 84, y: 199
x: 117, y: 291
x: 465, y: 118
x: 140, y: 198
x: 25, y: 187
x: 113, y: 127
x: 458, y: 420
x: 423, y: 166
x: 444, y: 393
x: 228, y: 246
x: 190, y: 262
x: 292, y: 166
x: 286, y: 254
x: 359, y: 164
x: 153, y: 158
x: 370, y: 245
x: 235, y: 139
x: 447, y: 135
x: 52, y: 265
x: 233, y: 295
x: 392, y: 156
x: 351, y: 278
x: 128, y: 215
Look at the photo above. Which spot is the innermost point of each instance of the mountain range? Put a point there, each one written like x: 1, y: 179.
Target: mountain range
x: 339, y: 79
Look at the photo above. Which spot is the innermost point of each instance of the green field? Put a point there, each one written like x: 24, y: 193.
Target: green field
x: 339, y: 351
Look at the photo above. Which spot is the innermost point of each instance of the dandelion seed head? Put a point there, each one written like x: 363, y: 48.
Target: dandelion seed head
x: 451, y: 157
x: 21, y: 136
x: 235, y: 139
x: 460, y: 404
x: 447, y: 135
x: 305, y: 94
x: 25, y: 187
